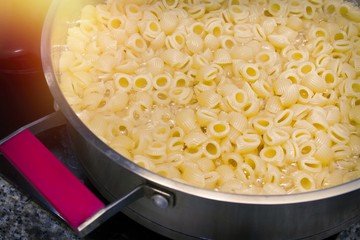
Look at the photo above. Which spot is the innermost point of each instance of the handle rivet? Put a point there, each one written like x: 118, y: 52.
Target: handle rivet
x: 160, y: 201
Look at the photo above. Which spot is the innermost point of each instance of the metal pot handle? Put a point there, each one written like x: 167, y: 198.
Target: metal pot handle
x: 65, y: 195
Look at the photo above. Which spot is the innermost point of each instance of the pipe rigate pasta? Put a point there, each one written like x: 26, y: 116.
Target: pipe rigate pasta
x: 303, y: 181
x: 275, y: 136
x: 273, y: 154
x: 247, y: 143
x: 262, y: 123
x: 341, y: 151
x: 208, y: 99
x: 252, y: 97
x: 324, y: 154
x: 218, y: 129
x: 290, y: 96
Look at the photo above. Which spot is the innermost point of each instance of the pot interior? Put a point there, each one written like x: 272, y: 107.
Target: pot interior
x: 62, y: 15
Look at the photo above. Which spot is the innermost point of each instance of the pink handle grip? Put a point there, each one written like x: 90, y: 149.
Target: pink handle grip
x: 73, y: 201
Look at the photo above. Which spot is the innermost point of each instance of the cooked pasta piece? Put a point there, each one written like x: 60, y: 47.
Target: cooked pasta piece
x: 303, y: 181
x: 194, y: 138
x: 218, y: 129
x: 211, y: 149
x: 245, y: 173
x: 273, y: 154
x: 262, y: 123
x: 208, y: 99
x: 247, y: 143
x: 275, y: 136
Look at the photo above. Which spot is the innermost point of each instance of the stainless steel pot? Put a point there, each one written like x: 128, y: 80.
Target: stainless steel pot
x: 181, y: 211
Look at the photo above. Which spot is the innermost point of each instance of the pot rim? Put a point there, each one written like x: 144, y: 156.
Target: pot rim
x: 50, y: 75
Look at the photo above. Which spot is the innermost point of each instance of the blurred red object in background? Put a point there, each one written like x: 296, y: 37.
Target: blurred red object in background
x: 24, y: 94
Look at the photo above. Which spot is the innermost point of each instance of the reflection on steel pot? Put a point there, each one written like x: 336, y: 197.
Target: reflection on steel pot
x: 182, y: 211
x: 24, y: 94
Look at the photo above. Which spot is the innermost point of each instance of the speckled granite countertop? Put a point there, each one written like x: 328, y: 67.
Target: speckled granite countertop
x: 21, y: 218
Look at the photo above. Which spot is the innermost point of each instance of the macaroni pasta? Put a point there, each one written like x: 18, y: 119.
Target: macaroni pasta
x: 255, y: 97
